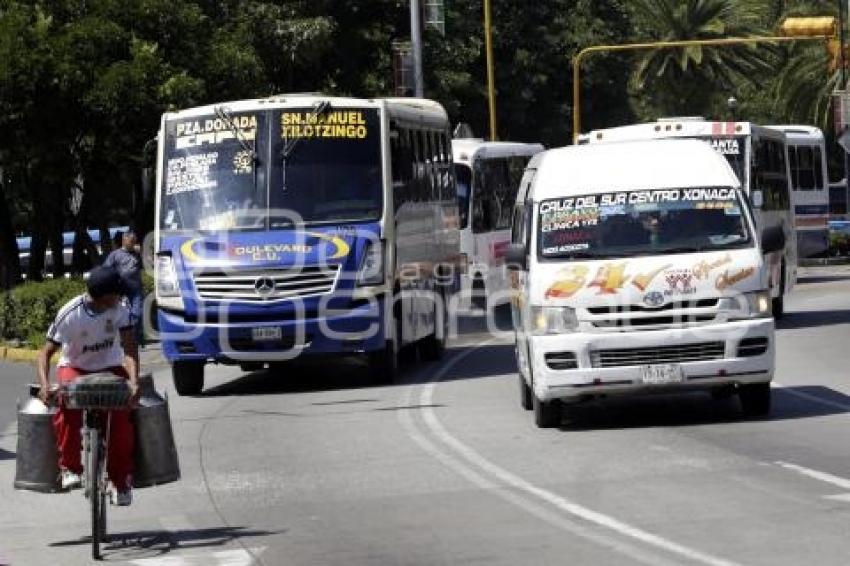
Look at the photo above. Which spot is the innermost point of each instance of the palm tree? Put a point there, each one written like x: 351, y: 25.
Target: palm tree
x: 695, y: 79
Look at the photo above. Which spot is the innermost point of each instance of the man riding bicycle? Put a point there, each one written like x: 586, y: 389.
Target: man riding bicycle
x: 96, y: 334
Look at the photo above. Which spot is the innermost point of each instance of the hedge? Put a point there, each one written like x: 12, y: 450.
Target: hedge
x: 27, y: 311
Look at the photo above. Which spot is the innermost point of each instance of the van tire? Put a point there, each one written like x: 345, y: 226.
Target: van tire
x: 755, y: 399
x: 188, y: 377
x: 547, y: 414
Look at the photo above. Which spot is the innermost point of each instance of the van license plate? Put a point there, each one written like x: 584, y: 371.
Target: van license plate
x: 266, y: 334
x: 661, y: 374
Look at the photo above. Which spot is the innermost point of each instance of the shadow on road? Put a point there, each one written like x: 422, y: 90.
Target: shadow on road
x: 698, y: 408
x: 6, y: 455
x: 812, y: 319
x: 148, y: 544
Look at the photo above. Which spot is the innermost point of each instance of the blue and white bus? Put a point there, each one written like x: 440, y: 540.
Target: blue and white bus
x: 810, y: 188
x: 304, y: 224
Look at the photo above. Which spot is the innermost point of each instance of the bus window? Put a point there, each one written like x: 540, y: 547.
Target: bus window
x: 817, y: 164
x: 805, y: 169
x: 464, y: 191
x: 769, y: 174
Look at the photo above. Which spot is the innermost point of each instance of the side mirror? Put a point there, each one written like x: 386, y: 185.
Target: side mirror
x: 772, y: 239
x: 516, y: 257
x: 757, y: 197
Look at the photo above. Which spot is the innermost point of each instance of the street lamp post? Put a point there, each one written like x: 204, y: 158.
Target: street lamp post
x: 491, y: 79
x: 416, y: 48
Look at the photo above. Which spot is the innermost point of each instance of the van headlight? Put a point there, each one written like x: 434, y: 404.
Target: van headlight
x: 553, y: 320
x: 753, y: 305
x: 371, y: 270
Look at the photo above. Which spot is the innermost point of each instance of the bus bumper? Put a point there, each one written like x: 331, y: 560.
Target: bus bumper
x: 353, y: 331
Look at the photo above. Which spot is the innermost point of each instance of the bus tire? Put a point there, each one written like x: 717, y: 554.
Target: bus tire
x: 384, y: 363
x: 188, y: 377
x: 755, y: 399
x: 778, y: 303
x: 547, y: 414
x: 479, y: 293
x: 433, y: 346
x: 526, y: 395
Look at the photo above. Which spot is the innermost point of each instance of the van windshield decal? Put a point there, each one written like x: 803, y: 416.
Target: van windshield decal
x: 647, y: 222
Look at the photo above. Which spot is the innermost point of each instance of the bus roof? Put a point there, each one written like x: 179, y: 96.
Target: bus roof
x: 675, y: 128
x: 418, y: 106
x: 798, y: 132
x: 641, y: 165
x: 467, y: 149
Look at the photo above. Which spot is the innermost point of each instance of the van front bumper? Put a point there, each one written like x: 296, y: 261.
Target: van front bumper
x: 612, y: 363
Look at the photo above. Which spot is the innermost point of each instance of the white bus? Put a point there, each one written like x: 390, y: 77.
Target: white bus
x: 759, y: 157
x: 304, y: 225
x: 488, y: 176
x: 810, y: 187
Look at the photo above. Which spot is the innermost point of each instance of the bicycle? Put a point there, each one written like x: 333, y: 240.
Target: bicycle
x: 96, y: 395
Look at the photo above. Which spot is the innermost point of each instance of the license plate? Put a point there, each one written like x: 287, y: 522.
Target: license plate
x: 266, y: 334
x: 661, y: 374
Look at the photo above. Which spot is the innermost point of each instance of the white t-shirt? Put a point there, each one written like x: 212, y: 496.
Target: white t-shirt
x: 90, y: 341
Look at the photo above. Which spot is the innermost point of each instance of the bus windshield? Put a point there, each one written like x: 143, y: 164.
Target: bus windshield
x: 650, y: 222
x: 463, y: 174
x: 307, y: 167
x: 326, y: 167
x: 210, y: 180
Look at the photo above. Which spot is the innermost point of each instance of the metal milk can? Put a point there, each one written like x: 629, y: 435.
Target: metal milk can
x: 156, y: 453
x: 37, y: 460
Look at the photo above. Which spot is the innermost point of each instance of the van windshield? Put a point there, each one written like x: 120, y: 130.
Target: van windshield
x: 648, y: 222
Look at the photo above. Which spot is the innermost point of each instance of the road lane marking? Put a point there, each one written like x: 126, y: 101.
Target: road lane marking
x: 843, y: 483
x: 520, y: 484
x: 631, y: 551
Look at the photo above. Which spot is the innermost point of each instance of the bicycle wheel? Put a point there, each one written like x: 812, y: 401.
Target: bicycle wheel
x: 95, y: 489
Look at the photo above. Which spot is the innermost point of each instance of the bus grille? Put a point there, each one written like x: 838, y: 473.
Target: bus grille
x: 263, y: 286
x: 701, y: 352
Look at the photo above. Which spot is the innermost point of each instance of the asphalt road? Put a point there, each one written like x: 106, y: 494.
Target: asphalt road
x: 313, y: 466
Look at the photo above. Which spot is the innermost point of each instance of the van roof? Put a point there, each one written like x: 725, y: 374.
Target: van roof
x: 656, y: 164
x: 467, y: 149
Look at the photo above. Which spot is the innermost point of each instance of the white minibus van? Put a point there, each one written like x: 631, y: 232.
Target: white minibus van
x: 637, y: 268
x: 488, y: 175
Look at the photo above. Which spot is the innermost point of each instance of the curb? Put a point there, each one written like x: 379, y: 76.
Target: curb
x: 819, y: 262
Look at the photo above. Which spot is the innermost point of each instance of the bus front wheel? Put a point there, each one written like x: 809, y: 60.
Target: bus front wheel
x: 188, y: 377
x: 383, y: 363
x: 778, y: 303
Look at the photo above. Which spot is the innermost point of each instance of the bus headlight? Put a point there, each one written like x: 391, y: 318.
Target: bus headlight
x: 371, y: 270
x: 165, y: 275
x: 553, y: 320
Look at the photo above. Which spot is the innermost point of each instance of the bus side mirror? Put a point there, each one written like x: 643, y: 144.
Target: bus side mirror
x: 758, y: 199
x: 772, y: 240
x: 516, y: 257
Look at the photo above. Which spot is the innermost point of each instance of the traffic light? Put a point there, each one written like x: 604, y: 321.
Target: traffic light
x: 809, y: 27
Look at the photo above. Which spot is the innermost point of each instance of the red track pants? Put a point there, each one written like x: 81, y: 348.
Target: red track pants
x: 68, y: 423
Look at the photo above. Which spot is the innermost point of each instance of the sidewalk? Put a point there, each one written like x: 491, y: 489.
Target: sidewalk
x: 150, y: 356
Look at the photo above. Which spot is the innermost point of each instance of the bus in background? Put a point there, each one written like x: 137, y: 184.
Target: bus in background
x: 24, y: 243
x: 304, y: 224
x: 488, y: 176
x: 759, y: 157
x: 810, y: 188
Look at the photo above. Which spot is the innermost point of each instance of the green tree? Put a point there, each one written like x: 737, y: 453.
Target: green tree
x: 694, y: 80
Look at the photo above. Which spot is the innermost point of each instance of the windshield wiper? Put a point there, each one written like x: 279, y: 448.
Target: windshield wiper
x: 290, y: 144
x: 223, y: 114
x: 576, y: 255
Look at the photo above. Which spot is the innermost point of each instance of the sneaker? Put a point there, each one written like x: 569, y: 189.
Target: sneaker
x: 122, y: 497
x: 71, y: 480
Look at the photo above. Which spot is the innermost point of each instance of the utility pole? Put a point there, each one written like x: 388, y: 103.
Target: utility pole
x: 416, y: 47
x: 843, y: 74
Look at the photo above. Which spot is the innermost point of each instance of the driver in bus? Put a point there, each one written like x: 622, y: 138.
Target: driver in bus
x: 95, y: 334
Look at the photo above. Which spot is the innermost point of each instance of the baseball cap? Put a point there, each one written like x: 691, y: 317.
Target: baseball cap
x: 104, y: 281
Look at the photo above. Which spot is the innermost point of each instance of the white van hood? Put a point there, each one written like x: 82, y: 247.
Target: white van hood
x: 649, y: 280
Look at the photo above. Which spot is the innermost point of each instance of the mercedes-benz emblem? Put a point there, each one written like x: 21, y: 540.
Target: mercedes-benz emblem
x: 264, y: 286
